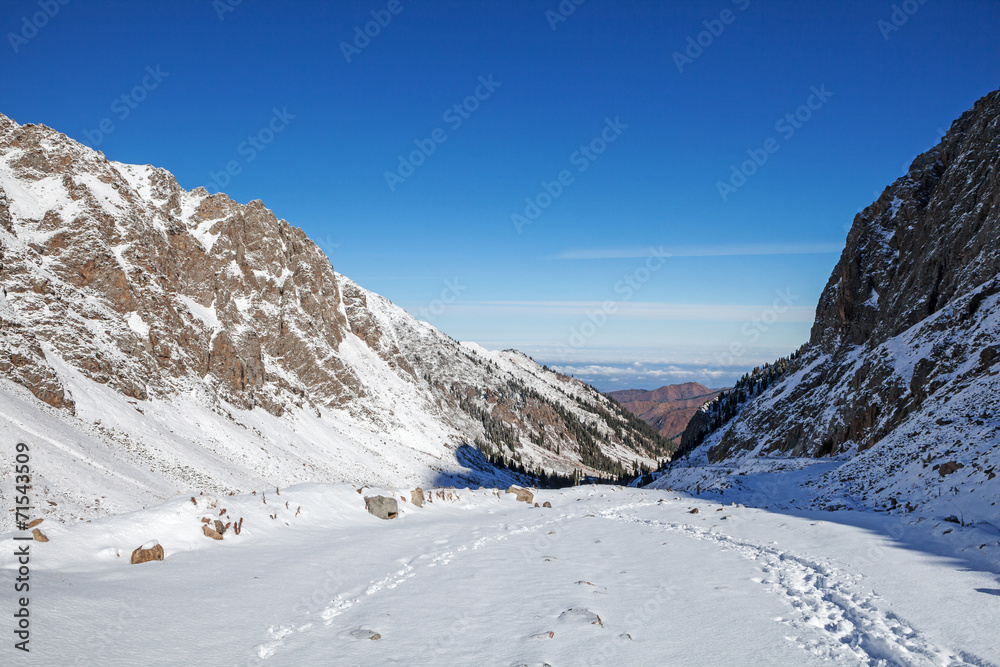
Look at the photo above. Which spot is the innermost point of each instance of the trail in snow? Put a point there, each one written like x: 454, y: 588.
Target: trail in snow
x: 853, y: 622
x: 344, y: 601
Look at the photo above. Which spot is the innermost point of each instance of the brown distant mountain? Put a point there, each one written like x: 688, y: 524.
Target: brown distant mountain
x: 667, y: 409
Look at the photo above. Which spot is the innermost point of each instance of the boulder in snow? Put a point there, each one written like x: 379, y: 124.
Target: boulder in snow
x: 417, y: 497
x: 522, y: 494
x: 382, y: 507
x: 949, y: 467
x: 209, y: 532
x: 147, y: 552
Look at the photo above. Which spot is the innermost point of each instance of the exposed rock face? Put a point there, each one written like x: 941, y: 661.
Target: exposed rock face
x: 417, y: 497
x: 185, y: 284
x: 904, y: 355
x: 147, y: 552
x: 382, y: 506
x: 667, y: 409
x: 115, y: 277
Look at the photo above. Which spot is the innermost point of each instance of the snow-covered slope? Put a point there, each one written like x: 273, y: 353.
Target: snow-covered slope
x: 606, y: 576
x: 900, y: 381
x: 155, y: 341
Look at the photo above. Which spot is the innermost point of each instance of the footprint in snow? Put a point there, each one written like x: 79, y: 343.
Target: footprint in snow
x: 581, y: 615
x: 365, y: 633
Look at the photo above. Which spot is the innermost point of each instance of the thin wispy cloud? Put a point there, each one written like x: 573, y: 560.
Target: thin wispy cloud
x: 742, y: 250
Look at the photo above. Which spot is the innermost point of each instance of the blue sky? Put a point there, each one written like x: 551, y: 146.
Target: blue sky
x: 635, y: 270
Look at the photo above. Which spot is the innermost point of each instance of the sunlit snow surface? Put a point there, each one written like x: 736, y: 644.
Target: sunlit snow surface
x: 481, y: 579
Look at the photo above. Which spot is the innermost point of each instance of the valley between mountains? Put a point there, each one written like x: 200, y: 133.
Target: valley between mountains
x: 190, y: 377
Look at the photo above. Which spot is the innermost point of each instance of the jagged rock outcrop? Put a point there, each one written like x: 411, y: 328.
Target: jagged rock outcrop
x: 115, y: 278
x: 183, y: 284
x: 904, y: 355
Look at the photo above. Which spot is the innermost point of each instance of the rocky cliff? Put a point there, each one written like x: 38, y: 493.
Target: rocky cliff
x: 130, y: 304
x: 901, y: 375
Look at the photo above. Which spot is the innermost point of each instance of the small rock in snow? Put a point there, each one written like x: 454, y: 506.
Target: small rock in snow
x: 147, y: 552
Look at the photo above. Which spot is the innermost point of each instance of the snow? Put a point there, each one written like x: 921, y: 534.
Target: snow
x: 206, y: 314
x: 32, y: 200
x: 138, y: 177
x: 607, y: 576
x: 191, y: 201
x: 894, y: 207
x: 204, y: 234
x: 23, y: 204
x: 105, y: 194
x: 116, y: 454
x: 243, y: 303
x: 136, y: 324
x: 119, y: 253
x: 477, y: 348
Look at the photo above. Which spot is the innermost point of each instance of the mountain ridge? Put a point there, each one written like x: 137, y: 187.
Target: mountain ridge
x: 126, y: 296
x: 899, y: 380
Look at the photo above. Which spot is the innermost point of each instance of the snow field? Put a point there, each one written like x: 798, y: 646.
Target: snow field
x: 607, y: 576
